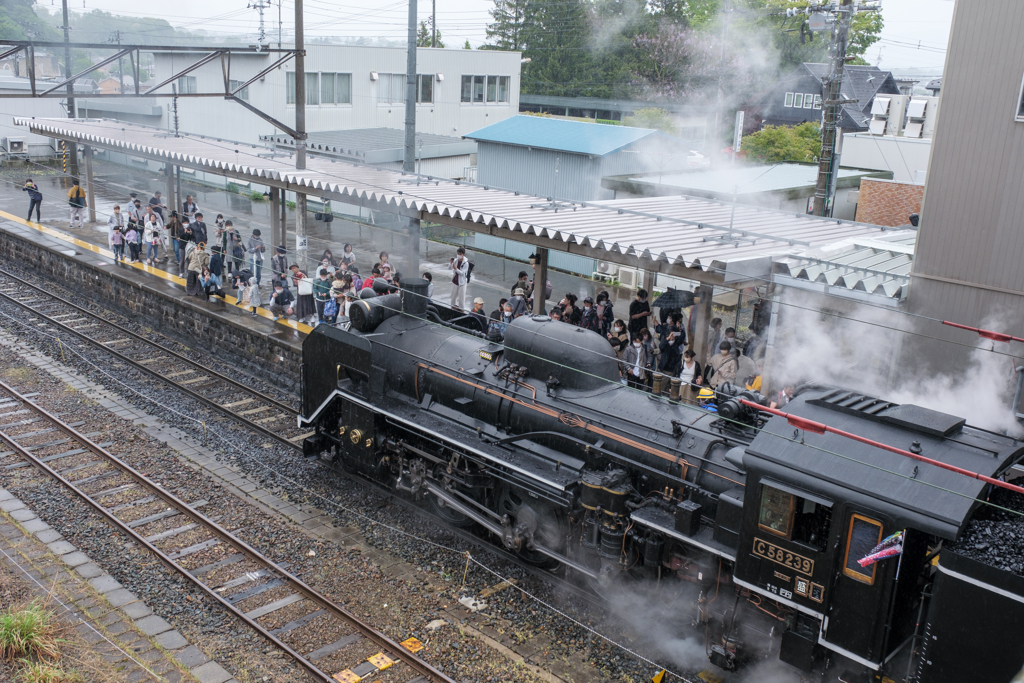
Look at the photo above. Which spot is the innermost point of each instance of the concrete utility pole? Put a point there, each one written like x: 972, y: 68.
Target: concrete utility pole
x: 409, y: 158
x: 300, y: 142
x: 832, y: 109
x: 433, y: 23
x: 115, y: 37
x: 68, y: 72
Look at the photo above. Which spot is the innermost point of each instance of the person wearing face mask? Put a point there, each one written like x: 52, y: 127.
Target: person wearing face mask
x: 723, y: 365
x: 605, y: 313
x: 633, y: 365
x: 618, y: 337
x: 115, y: 233
x: 589, y: 320
x: 639, y: 311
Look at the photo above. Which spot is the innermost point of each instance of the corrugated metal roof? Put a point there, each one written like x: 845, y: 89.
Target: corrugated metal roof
x: 578, y: 137
x: 378, y: 145
x: 874, y: 266
x: 745, y: 179
x: 679, y: 231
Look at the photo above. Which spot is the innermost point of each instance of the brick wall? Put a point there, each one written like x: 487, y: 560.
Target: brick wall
x: 887, y: 202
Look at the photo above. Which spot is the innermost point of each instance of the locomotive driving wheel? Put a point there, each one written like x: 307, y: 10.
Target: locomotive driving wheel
x: 448, y: 514
x: 533, y: 518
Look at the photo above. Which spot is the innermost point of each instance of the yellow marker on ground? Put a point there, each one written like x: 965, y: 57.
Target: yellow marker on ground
x: 658, y: 677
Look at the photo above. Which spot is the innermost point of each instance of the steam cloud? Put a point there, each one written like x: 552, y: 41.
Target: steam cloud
x: 864, y: 355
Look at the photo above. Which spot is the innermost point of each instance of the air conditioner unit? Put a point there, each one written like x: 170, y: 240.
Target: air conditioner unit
x: 605, y: 270
x: 913, y: 129
x: 629, y: 277
x: 916, y: 108
x: 14, y: 145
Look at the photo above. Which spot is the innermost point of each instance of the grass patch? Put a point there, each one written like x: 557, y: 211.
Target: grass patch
x: 39, y: 672
x: 18, y: 374
x: 28, y: 632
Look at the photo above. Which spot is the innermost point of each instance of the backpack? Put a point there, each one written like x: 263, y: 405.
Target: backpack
x: 469, y: 272
x: 330, y: 308
x: 238, y: 252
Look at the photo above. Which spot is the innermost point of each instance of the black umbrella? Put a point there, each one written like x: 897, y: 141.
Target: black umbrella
x: 674, y: 298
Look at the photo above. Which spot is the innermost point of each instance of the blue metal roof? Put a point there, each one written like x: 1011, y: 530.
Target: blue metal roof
x: 578, y: 137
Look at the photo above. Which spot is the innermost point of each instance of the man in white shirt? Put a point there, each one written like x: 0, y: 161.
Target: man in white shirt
x: 460, y: 277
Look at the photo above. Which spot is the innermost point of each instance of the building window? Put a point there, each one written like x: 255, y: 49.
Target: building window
x: 343, y: 89
x: 290, y: 87
x: 485, y: 89
x: 242, y: 94
x: 312, y: 89
x: 798, y: 100
x: 425, y: 92
x: 789, y: 99
x: 186, y: 85
x: 817, y: 101
x: 327, y: 88
x: 808, y: 101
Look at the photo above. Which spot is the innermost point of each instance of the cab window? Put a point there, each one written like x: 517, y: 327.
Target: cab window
x: 863, y: 536
x: 794, y: 517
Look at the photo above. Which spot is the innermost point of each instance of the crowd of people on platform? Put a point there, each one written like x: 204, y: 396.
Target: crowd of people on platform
x: 211, y: 258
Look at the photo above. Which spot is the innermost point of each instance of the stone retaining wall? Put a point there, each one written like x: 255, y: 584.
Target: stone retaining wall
x: 163, y: 307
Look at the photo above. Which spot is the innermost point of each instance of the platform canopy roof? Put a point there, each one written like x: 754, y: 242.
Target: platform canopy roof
x: 710, y: 241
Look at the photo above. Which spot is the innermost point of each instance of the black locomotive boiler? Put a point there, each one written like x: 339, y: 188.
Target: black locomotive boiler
x: 534, y: 443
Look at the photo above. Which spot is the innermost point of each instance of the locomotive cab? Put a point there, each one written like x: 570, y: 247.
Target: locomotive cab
x: 817, y: 506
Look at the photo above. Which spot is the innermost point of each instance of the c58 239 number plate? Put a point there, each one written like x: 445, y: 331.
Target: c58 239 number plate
x: 784, y: 557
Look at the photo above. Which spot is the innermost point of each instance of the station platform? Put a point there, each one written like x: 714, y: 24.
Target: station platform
x: 155, y: 296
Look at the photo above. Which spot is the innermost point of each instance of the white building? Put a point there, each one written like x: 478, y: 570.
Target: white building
x: 899, y: 138
x: 347, y: 87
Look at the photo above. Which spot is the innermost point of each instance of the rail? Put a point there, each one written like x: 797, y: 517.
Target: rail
x: 396, y: 652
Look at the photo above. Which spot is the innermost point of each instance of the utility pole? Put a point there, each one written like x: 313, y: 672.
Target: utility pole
x: 278, y: 24
x: 68, y: 72
x: 832, y: 109
x: 116, y: 38
x: 259, y: 6
x: 409, y: 158
x: 300, y: 129
x: 433, y: 23
x: 832, y: 106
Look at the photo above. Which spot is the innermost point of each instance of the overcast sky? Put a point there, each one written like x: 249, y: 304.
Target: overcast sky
x: 915, y: 34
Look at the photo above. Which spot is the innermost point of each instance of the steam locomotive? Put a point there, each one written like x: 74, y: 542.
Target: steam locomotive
x: 533, y: 442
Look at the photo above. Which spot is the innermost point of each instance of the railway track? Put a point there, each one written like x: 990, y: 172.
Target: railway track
x: 231, y: 398
x: 119, y: 493
x: 147, y: 358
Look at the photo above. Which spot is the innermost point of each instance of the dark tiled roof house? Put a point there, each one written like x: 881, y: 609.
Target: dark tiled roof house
x: 797, y: 97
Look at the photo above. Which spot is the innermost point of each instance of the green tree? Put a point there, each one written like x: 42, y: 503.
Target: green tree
x: 467, y: 46
x: 773, y: 144
x: 795, y: 46
x: 651, y: 117
x: 19, y: 21
x: 505, y: 32
x: 424, y: 38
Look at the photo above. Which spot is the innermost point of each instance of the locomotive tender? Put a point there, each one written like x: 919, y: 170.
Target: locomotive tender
x: 535, y: 444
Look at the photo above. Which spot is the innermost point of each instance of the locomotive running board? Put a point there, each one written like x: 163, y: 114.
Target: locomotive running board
x: 412, y: 425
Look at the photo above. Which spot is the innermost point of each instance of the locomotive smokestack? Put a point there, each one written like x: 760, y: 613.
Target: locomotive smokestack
x: 414, y: 297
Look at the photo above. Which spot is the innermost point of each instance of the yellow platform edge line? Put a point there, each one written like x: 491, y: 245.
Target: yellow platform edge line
x: 65, y: 237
